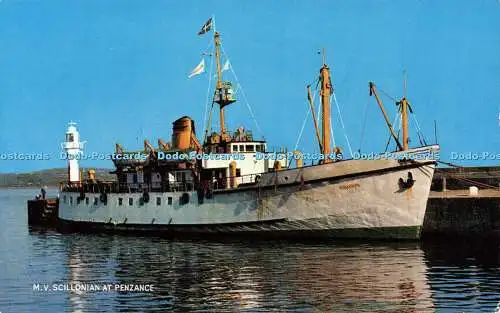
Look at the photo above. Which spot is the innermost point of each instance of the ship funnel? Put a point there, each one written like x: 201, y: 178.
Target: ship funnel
x: 181, y: 133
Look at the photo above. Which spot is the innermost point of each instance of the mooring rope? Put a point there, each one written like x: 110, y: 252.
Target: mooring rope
x: 470, y: 181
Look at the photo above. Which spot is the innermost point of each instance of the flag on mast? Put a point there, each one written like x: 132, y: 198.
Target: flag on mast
x: 226, y: 66
x: 200, y: 68
x: 206, y: 27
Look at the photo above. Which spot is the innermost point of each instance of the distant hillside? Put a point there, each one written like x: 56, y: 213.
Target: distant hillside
x: 49, y: 177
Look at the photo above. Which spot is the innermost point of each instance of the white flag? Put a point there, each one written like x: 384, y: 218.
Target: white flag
x: 198, y: 69
x: 226, y: 66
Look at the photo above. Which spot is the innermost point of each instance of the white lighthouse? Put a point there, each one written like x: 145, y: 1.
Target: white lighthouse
x: 73, y: 149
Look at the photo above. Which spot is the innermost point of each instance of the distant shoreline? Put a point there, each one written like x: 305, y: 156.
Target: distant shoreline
x: 48, y: 177
x: 28, y: 187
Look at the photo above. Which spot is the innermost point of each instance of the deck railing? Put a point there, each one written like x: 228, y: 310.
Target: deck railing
x: 96, y: 186
x: 115, y: 187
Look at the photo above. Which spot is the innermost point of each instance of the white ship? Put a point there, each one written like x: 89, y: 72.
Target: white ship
x: 231, y: 189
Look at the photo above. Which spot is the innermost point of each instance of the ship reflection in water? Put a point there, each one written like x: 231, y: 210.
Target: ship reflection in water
x: 278, y: 276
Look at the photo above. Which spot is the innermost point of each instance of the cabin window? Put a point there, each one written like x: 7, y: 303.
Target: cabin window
x: 238, y: 172
x: 69, y: 138
x: 180, y: 176
x: 140, y: 177
x: 242, y: 148
x: 96, y: 200
x: 258, y: 148
x: 249, y: 148
x: 64, y: 199
x: 235, y: 148
x: 158, y: 201
x: 87, y: 201
x: 155, y: 177
x: 135, y: 178
x: 71, y: 200
x: 130, y: 201
x: 169, y: 200
x: 120, y: 201
x: 184, y: 199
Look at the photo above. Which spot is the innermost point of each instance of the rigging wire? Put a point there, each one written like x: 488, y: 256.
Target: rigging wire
x: 399, y: 123
x: 304, y: 122
x: 412, y: 123
x: 209, y: 122
x: 318, y: 119
x: 363, y: 127
x: 387, y: 95
x: 205, y: 125
x: 208, y: 47
x: 252, y: 115
x: 332, y: 134
x: 320, y: 114
x: 397, y: 120
x: 342, y: 123
x: 421, y: 136
x: 398, y: 117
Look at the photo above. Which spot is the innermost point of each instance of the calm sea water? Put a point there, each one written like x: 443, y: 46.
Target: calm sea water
x: 231, y: 276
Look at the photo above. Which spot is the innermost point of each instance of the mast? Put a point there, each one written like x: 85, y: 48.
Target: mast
x: 218, y: 86
x: 381, y: 105
x: 325, y: 107
x: 309, y: 98
x: 223, y: 90
x: 404, y: 117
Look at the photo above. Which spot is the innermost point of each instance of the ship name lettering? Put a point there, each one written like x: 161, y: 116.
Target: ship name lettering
x: 350, y: 186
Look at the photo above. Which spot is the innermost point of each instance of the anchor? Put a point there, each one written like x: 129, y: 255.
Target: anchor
x: 408, y: 183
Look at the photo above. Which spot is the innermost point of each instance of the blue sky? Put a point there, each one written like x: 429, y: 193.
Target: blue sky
x: 119, y: 69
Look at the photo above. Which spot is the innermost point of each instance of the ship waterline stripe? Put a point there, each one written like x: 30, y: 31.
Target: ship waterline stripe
x: 270, y: 229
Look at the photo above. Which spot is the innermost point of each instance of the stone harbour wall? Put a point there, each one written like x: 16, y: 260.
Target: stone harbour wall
x: 462, y: 215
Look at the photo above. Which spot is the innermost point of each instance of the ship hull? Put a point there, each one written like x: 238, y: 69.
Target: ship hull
x: 348, y: 199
